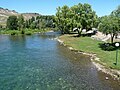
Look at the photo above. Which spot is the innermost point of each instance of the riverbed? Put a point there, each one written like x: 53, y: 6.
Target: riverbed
x: 39, y: 62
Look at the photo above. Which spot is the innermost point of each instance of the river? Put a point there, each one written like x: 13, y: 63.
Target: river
x: 39, y: 62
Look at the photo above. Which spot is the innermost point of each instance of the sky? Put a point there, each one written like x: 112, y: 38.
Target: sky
x: 48, y: 7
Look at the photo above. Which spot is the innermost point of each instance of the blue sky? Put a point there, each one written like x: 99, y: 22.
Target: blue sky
x: 48, y: 7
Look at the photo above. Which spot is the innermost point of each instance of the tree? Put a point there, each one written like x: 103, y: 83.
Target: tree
x: 33, y: 25
x: 20, y: 22
x: 12, y: 22
x: 1, y: 26
x: 32, y: 19
x: 63, y: 19
x: 84, y: 16
x: 79, y: 16
x: 26, y: 24
x: 110, y: 25
x: 116, y: 12
x: 76, y: 12
x: 38, y: 17
x: 58, y: 19
x: 42, y: 24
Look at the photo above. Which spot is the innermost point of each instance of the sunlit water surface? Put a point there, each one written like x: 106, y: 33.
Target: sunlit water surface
x: 39, y: 62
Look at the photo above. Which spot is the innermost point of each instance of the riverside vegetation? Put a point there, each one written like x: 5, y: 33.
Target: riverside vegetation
x: 19, y: 26
x: 24, y: 31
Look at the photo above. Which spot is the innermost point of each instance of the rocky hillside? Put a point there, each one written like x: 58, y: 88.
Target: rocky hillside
x: 5, y: 13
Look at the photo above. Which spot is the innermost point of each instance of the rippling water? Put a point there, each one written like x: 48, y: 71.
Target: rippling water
x: 38, y: 62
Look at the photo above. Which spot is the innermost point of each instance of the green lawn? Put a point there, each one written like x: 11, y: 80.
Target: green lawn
x: 87, y: 44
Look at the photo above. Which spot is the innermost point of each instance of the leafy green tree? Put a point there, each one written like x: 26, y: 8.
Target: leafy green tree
x: 110, y: 25
x: 12, y: 22
x: 42, y: 24
x: 76, y: 17
x: 32, y: 19
x: 58, y: 19
x: 20, y: 22
x: 38, y: 17
x: 79, y: 16
x: 116, y: 12
x: 1, y: 26
x: 33, y: 25
x: 63, y: 19
x: 84, y: 16
x: 26, y: 24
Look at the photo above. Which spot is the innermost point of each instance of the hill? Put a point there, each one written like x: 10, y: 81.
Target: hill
x: 5, y: 13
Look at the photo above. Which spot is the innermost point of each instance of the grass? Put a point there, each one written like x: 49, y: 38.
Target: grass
x: 87, y: 44
x: 26, y: 31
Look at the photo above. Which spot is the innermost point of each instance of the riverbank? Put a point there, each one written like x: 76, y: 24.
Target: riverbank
x: 24, y: 31
x: 103, y: 60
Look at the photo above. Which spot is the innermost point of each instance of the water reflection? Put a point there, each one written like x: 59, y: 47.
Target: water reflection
x: 49, y: 35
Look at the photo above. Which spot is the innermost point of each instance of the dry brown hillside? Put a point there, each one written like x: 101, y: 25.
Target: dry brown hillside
x: 5, y: 13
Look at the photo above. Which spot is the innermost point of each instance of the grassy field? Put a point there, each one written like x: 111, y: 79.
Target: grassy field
x: 87, y: 44
x: 19, y: 32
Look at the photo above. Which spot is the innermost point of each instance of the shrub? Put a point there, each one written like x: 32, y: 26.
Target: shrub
x: 110, y: 48
x: 22, y: 32
x: 28, y: 33
x: 14, y: 32
x: 107, y: 46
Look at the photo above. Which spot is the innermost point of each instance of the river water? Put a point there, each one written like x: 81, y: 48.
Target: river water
x: 39, y: 62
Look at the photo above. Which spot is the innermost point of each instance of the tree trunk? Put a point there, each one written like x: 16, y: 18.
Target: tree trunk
x: 79, y: 32
x: 112, y: 37
x: 62, y: 31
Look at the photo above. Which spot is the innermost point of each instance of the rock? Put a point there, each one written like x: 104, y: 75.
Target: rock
x: 70, y: 48
x: 97, y: 59
x: 106, y: 78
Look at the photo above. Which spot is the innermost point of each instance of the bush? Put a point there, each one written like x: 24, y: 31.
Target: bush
x: 108, y: 46
x: 14, y: 32
x: 28, y: 33
x: 22, y: 32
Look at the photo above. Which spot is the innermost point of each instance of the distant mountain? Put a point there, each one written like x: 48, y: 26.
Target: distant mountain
x: 5, y: 13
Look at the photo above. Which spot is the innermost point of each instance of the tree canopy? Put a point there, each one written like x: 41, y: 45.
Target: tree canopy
x: 20, y: 22
x: 12, y: 22
x: 110, y: 25
x: 78, y: 16
x: 39, y: 22
x: 116, y: 12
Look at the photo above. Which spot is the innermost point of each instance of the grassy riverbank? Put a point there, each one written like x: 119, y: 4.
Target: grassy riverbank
x: 87, y: 44
x: 26, y: 31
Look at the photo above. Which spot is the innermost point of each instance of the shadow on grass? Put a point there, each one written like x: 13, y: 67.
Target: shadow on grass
x: 108, y: 46
x: 82, y: 35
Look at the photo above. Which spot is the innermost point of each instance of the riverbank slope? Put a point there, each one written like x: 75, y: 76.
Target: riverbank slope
x: 103, y: 60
